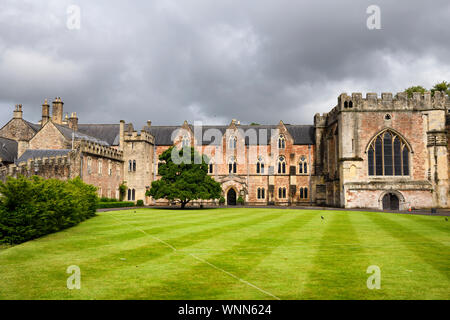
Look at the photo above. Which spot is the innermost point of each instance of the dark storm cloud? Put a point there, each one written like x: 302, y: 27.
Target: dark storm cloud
x: 215, y: 60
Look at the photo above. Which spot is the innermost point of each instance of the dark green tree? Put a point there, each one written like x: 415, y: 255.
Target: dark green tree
x: 184, y: 177
x: 441, y: 86
x: 410, y: 90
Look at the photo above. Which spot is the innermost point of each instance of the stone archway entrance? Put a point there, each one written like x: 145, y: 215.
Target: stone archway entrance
x: 391, y: 202
x: 231, y: 197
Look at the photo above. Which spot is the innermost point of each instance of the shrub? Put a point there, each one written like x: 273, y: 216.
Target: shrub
x: 122, y: 191
x: 240, y: 200
x: 31, y: 208
x: 109, y: 205
x: 221, y: 200
x: 104, y: 199
x: 140, y: 203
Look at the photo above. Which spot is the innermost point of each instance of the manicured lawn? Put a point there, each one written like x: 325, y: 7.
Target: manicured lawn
x: 235, y: 254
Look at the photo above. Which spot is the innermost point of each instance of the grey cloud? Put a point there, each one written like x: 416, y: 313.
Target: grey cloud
x: 256, y: 60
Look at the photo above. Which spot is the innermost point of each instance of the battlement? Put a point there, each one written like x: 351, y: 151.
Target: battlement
x: 320, y: 120
x: 387, y: 100
x: 142, y: 136
x: 47, y: 167
x: 100, y: 150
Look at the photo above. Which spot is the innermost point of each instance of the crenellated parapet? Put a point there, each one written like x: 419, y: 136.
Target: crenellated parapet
x: 142, y: 136
x: 99, y: 150
x: 48, y: 167
x: 387, y: 101
x: 320, y: 120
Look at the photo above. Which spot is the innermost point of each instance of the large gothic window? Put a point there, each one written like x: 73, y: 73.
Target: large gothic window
x: 388, y: 155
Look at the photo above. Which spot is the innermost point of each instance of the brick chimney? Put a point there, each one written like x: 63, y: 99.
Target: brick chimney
x: 73, y: 121
x: 57, y: 111
x: 45, y: 113
x: 17, y: 114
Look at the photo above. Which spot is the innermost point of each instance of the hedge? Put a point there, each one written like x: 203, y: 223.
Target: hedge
x: 108, y: 205
x: 33, y: 207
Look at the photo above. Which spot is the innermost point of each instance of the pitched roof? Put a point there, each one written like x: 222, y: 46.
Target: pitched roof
x: 35, y: 126
x: 67, y: 133
x: 106, y: 132
x: 302, y: 134
x: 8, y: 149
x: 41, y: 153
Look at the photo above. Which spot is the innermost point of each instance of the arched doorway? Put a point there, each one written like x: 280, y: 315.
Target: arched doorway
x: 390, y: 202
x: 231, y: 197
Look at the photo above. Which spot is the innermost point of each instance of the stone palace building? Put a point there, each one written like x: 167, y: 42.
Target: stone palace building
x: 388, y: 152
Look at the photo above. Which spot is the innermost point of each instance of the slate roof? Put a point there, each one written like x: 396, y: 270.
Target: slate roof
x: 41, y: 153
x: 302, y: 134
x: 106, y: 132
x: 35, y: 126
x: 8, y: 150
x: 67, y: 133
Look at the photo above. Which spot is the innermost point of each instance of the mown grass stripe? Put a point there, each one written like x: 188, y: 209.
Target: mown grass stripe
x: 225, y: 258
x: 437, y: 254
x: 338, y: 267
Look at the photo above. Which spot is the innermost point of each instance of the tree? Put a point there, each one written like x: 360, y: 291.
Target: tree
x: 410, y: 90
x: 185, y: 181
x: 441, y: 86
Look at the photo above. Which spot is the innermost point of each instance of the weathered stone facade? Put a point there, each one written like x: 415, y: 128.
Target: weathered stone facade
x: 388, y: 152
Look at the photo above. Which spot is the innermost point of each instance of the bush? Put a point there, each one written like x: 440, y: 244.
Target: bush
x: 31, y: 208
x: 240, y: 200
x: 104, y: 199
x: 222, y: 200
x: 140, y: 203
x: 109, y: 205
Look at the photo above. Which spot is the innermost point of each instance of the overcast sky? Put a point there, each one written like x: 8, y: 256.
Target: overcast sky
x: 214, y: 60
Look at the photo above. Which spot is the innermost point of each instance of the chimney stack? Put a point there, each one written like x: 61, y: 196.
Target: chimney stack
x: 17, y: 114
x: 149, y: 123
x: 122, y: 134
x: 45, y: 113
x: 73, y: 121
x: 57, y: 112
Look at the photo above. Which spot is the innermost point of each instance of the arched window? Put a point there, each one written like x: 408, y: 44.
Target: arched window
x: 301, y: 193
x: 302, y: 166
x: 260, y: 166
x: 89, y: 165
x: 281, y: 165
x: 232, y: 165
x: 130, y: 166
x: 186, y: 141
x: 232, y: 143
x: 129, y: 194
x: 282, y: 193
x: 388, y: 155
x: 133, y: 194
x: 281, y: 142
x: 210, y: 167
x: 261, y: 193
x: 134, y: 165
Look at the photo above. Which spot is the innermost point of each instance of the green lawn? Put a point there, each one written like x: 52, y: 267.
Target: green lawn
x: 235, y: 254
